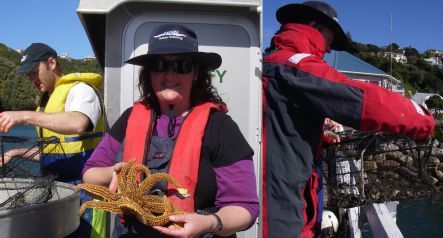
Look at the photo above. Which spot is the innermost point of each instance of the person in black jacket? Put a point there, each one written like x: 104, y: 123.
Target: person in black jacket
x: 300, y: 91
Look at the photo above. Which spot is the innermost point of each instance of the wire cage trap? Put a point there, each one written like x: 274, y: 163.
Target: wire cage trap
x: 22, y: 180
x: 374, y: 167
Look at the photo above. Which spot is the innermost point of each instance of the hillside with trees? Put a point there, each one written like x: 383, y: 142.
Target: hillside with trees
x: 16, y: 92
x: 417, y: 74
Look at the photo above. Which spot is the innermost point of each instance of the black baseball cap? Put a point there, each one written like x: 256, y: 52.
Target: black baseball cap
x: 32, y: 55
x: 176, y: 39
x: 317, y: 11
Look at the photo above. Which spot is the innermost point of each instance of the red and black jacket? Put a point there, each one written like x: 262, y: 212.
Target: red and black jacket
x: 300, y: 90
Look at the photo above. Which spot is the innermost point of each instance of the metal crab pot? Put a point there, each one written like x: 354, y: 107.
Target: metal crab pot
x: 56, y: 218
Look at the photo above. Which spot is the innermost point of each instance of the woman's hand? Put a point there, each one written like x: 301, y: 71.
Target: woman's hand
x: 193, y: 225
x: 113, y: 186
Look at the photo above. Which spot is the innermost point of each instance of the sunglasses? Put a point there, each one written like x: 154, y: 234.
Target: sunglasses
x: 179, y: 66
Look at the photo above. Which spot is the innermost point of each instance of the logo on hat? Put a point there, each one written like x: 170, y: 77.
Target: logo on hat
x: 23, y: 58
x: 171, y: 35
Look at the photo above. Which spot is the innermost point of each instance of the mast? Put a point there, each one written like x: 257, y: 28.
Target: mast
x: 390, y: 39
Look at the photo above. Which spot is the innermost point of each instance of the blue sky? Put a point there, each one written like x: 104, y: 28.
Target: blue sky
x: 55, y: 22
x: 415, y: 23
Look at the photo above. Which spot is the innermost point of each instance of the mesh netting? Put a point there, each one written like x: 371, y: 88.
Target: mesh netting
x: 22, y: 181
x: 370, y: 167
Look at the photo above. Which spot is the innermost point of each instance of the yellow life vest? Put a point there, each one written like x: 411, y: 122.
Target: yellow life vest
x: 74, y: 143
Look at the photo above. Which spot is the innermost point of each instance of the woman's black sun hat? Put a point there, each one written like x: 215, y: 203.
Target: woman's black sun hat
x: 316, y: 11
x: 177, y: 40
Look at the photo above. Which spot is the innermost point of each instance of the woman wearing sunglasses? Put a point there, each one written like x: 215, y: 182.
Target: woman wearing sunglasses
x: 179, y: 126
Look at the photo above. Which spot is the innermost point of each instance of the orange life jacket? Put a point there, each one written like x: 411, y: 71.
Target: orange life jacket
x: 186, y: 153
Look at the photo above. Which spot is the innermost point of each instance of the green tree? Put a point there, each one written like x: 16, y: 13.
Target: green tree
x: 348, y: 34
x: 434, y: 102
x: 373, y: 48
x: 409, y: 51
x: 429, y: 53
x: 412, y: 59
x: 395, y: 47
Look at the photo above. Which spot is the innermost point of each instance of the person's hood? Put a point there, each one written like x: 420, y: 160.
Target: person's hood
x: 300, y: 38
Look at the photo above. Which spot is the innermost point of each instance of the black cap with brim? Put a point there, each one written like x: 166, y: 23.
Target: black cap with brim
x: 32, y: 55
x: 26, y: 68
x: 291, y: 12
x: 211, y: 60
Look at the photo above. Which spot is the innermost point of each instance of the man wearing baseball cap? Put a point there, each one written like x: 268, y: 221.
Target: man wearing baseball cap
x: 69, y: 109
x: 300, y: 92
x: 33, y: 55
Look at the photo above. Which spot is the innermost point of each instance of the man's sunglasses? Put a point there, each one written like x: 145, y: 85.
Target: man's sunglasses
x: 179, y: 66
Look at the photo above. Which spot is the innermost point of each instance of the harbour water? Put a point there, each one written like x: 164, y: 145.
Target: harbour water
x: 421, y: 218
x: 415, y: 218
x: 21, y: 131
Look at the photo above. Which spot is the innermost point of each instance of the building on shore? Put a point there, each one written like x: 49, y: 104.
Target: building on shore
x: 357, y: 69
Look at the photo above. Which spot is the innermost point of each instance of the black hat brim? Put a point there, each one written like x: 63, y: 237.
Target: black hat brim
x: 26, y: 68
x: 291, y: 12
x: 211, y: 60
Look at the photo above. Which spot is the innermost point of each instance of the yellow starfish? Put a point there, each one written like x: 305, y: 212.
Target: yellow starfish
x: 134, y: 198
